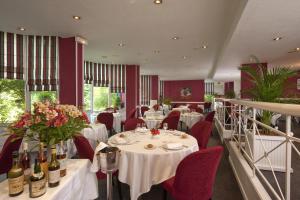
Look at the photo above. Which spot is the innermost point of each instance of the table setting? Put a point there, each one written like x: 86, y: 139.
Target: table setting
x: 150, y: 156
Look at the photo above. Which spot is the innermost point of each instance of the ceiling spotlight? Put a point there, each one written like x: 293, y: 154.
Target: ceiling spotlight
x: 277, y: 38
x: 21, y: 28
x: 184, y: 57
x: 204, y: 47
x: 175, y: 38
x: 156, y: 51
x: 157, y: 1
x: 76, y: 17
x: 297, y: 49
x: 121, y: 44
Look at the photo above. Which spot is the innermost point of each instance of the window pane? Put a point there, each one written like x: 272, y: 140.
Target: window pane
x: 12, y: 99
x: 100, y: 98
x: 87, y: 95
x: 116, y: 99
x: 42, y: 96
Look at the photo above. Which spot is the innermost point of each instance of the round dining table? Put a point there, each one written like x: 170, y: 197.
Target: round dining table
x: 141, y: 167
x: 191, y: 118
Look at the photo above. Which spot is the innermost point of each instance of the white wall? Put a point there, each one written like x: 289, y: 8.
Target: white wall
x: 219, y: 87
x: 237, y: 88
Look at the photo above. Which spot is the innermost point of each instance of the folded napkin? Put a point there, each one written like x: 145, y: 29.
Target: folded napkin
x: 173, y: 145
x: 120, y: 140
x: 95, y: 165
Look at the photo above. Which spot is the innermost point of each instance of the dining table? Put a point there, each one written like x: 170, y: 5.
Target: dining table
x: 78, y: 184
x: 153, y: 121
x: 148, y: 160
x: 191, y: 118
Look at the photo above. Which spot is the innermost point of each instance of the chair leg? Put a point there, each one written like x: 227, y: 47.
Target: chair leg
x: 165, y: 194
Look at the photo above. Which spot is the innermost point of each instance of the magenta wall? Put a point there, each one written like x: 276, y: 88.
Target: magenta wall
x: 132, y: 87
x: 154, y: 86
x: 172, y: 90
x: 291, y: 87
x: 246, y: 83
x: 68, y: 60
x: 228, y: 86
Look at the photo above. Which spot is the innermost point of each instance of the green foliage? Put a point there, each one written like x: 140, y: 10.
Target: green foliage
x: 167, y: 101
x: 208, y: 97
x: 87, y: 93
x: 289, y: 100
x: 100, y: 98
x: 230, y: 94
x: 115, y: 100
x: 12, y: 99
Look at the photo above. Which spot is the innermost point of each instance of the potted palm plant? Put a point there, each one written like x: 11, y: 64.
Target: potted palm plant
x: 268, y: 86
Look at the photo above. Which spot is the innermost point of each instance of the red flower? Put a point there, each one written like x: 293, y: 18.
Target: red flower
x: 154, y: 131
x: 85, y: 117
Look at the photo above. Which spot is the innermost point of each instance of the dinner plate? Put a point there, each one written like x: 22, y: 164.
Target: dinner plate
x: 126, y: 141
x: 142, y: 130
x: 175, y: 148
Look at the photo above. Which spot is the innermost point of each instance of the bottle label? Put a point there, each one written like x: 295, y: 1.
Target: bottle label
x: 16, y: 185
x: 38, y: 188
x: 63, y: 163
x: 54, y: 176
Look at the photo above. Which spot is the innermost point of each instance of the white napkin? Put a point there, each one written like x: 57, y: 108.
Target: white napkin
x: 95, y: 165
x: 120, y: 140
x: 173, y: 145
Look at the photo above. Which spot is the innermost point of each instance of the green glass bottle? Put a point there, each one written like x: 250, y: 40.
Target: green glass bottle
x: 53, y: 169
x: 15, y: 177
x: 37, y: 185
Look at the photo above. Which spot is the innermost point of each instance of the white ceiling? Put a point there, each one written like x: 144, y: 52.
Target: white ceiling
x: 232, y: 30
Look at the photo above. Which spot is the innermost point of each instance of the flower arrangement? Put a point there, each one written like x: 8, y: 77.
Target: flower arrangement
x: 50, y: 123
x: 154, y: 132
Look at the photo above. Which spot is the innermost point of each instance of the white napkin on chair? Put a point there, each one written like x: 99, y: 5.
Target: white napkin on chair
x: 95, y: 165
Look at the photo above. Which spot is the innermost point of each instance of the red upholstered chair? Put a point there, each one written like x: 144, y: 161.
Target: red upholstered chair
x: 210, y: 116
x: 195, y: 175
x: 144, y: 109
x: 172, y: 122
x: 174, y: 113
x: 155, y: 107
x: 201, y: 131
x: 193, y: 106
x: 130, y: 124
x: 199, y: 110
x: 11, y: 144
x: 131, y: 115
x: 106, y: 118
x: 207, y: 106
x: 85, y: 151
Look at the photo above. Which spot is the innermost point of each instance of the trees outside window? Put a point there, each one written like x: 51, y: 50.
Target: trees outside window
x: 100, y: 98
x: 12, y: 99
x: 87, y: 96
x: 42, y: 96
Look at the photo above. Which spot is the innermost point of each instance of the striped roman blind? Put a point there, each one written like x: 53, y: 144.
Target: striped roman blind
x: 11, y: 56
x: 161, y: 88
x: 117, y: 78
x: 96, y: 74
x: 42, y: 63
x: 209, y: 88
x: 145, y: 92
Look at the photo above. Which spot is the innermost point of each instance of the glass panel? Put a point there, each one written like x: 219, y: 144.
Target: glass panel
x: 100, y: 98
x: 87, y: 95
x: 116, y: 100
x: 12, y: 99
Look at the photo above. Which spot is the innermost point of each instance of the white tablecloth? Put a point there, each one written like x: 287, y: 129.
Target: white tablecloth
x: 97, y: 132
x: 117, y: 122
x: 141, y: 168
x: 153, y: 122
x: 181, y: 109
x: 150, y: 113
x: 190, y: 118
x: 78, y: 184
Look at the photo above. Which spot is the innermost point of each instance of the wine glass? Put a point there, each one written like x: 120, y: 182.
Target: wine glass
x: 165, y: 126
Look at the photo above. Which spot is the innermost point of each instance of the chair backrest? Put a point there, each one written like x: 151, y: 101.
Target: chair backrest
x: 201, y: 131
x: 144, y: 109
x: 11, y: 144
x: 132, y: 113
x: 130, y: 124
x: 156, y: 107
x: 207, y: 105
x: 107, y: 119
x: 84, y: 149
x: 195, y: 175
x: 210, y: 116
x: 172, y: 122
x: 199, y: 110
x: 193, y: 106
x: 174, y: 113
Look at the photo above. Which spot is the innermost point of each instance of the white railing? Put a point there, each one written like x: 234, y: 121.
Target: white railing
x: 263, y: 152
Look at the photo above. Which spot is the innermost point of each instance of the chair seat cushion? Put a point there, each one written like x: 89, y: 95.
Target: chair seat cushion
x: 168, y: 185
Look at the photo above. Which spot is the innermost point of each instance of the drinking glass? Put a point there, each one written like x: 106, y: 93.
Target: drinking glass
x: 165, y: 126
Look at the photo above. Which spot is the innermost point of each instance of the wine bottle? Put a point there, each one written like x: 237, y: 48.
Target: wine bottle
x: 37, y: 185
x: 43, y: 160
x: 62, y: 158
x: 26, y: 163
x: 15, y: 177
x: 53, y: 169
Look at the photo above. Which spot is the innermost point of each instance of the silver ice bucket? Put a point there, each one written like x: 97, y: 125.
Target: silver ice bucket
x: 108, y: 159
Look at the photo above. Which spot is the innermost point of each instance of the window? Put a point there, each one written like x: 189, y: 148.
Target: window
x: 100, y: 98
x: 87, y: 96
x: 42, y: 96
x: 116, y: 99
x: 12, y: 99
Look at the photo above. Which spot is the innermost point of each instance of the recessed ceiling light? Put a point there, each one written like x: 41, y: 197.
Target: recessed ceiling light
x: 76, y: 17
x: 156, y: 51
x: 175, y: 38
x: 157, y: 1
x: 204, y: 47
x: 21, y: 28
x: 121, y: 44
x: 184, y: 57
x: 297, y: 49
x: 277, y: 38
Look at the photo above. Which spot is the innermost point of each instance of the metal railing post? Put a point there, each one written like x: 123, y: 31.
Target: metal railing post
x: 240, y: 125
x: 288, y: 160
x: 253, y: 138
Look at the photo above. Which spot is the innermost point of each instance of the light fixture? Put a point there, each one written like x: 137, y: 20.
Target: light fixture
x: 175, y: 38
x: 76, y: 17
x: 298, y: 49
x: 184, y: 57
x: 204, y: 47
x: 157, y: 1
x: 21, y: 29
x: 121, y: 44
x: 277, y: 38
x: 156, y: 51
